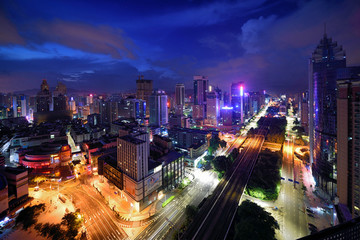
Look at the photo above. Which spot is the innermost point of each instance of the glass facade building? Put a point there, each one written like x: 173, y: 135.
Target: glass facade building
x: 323, y: 65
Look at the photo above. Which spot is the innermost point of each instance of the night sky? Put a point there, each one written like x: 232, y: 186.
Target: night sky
x: 104, y: 45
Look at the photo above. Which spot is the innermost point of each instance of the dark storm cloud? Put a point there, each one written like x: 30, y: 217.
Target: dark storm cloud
x: 94, y: 39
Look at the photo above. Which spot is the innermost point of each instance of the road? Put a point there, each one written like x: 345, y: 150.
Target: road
x: 291, y: 197
x: 173, y: 215
x: 100, y: 222
x: 215, y: 217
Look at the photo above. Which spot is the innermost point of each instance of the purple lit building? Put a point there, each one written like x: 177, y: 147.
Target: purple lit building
x: 325, y: 60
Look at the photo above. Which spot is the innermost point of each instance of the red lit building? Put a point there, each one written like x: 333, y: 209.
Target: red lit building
x: 46, y: 159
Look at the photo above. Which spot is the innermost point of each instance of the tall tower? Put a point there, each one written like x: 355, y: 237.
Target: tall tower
x: 201, y: 84
x: 348, y: 139
x: 144, y: 89
x: 213, y: 108
x: 237, y: 100
x: 180, y: 94
x: 43, y: 98
x: 324, y: 62
x: 158, y: 108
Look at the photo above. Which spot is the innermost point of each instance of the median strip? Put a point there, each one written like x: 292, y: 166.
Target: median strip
x: 168, y: 201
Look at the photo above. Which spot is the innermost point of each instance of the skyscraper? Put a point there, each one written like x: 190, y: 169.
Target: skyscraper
x: 133, y: 156
x: 132, y: 108
x: 201, y: 84
x: 348, y: 140
x: 144, y: 89
x: 213, y: 108
x: 237, y: 100
x: 180, y: 94
x: 43, y: 98
x: 23, y: 106
x: 325, y: 60
x: 158, y: 108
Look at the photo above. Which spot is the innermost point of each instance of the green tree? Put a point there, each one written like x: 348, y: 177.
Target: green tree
x: 234, y: 154
x: 221, y: 163
x: 190, y: 212
x: 253, y: 222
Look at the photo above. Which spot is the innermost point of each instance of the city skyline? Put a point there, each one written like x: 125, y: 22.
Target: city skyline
x: 105, y: 47
x: 216, y: 119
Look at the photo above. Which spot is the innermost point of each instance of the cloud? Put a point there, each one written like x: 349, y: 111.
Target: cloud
x: 100, y: 39
x: 277, y: 48
x: 213, y: 43
x: 207, y: 14
x: 81, y: 74
x: 253, y: 33
x: 8, y: 32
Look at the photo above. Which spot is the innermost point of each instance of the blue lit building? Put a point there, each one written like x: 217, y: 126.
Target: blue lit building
x: 237, y: 98
x: 323, y: 65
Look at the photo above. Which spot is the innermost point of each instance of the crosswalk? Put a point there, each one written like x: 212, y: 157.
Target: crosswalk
x: 114, y: 234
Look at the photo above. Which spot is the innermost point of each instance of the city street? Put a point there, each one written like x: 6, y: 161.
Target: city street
x: 290, y: 202
x: 215, y: 217
x: 173, y: 215
x: 100, y: 222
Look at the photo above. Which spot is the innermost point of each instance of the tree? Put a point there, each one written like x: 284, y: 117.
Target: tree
x: 28, y: 216
x: 39, y: 179
x: 72, y: 221
x: 221, y: 164
x: 222, y: 143
x: 190, y: 212
x: 234, y: 154
x: 253, y: 222
x: 214, y: 144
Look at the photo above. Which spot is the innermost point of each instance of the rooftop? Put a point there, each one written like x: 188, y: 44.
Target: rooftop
x: 170, y: 157
x: 131, y: 139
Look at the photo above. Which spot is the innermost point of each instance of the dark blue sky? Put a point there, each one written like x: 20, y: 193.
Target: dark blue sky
x: 105, y: 45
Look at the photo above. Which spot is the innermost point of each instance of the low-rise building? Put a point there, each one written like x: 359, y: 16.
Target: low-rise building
x: 46, y: 159
x: 185, y: 137
x: 196, y: 150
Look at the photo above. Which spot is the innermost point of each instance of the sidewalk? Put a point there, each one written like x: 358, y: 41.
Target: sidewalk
x: 118, y: 202
x: 318, y: 201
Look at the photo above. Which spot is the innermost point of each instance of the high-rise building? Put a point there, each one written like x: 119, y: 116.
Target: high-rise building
x: 144, y: 89
x: 158, y: 108
x: 23, y: 106
x: 133, y: 157
x: 227, y: 115
x: 348, y: 141
x: 213, y: 108
x: 325, y: 60
x: 201, y: 84
x: 43, y: 98
x: 15, y: 106
x: 180, y: 94
x: 132, y: 108
x: 304, y: 110
x: 237, y: 100
x: 60, y: 100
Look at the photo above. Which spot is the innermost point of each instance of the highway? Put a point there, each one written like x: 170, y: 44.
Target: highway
x: 215, y: 217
